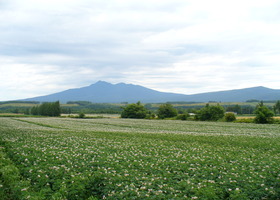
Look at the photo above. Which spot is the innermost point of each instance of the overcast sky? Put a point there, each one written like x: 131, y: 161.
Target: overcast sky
x: 181, y: 46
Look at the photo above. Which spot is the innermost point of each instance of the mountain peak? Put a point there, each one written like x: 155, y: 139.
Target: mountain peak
x: 102, y: 83
x: 104, y: 92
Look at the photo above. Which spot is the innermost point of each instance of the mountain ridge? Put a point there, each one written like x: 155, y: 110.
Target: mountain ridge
x: 104, y: 92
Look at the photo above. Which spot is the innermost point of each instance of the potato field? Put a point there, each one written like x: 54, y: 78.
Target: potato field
x: 64, y: 158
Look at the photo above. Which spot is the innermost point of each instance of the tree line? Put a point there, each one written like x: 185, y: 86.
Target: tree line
x: 51, y: 109
x: 264, y: 114
x: 207, y: 113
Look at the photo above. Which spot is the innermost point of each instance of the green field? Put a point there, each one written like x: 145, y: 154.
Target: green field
x: 64, y: 158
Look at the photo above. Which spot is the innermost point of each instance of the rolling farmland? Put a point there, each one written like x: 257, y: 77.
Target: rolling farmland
x: 64, y: 158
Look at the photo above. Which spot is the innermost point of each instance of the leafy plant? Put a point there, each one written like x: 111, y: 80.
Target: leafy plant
x: 62, y: 158
x: 263, y: 114
x: 210, y: 113
x: 166, y: 111
x: 230, y: 117
x: 183, y: 116
x: 276, y: 107
x: 137, y: 111
x: 82, y: 115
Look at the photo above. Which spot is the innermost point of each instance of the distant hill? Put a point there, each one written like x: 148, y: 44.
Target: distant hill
x: 104, y: 92
x: 238, y: 95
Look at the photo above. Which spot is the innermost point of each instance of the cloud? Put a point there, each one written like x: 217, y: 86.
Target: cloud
x: 177, y: 46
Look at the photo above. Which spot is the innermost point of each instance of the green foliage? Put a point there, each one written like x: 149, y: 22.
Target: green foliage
x: 263, y: 114
x: 137, y: 111
x: 234, y: 108
x: 150, y: 115
x: 244, y: 120
x: 92, y: 108
x: 11, y: 184
x: 166, y: 111
x: 210, y: 113
x: 47, y: 109
x: 230, y: 117
x: 81, y: 103
x: 276, y: 107
x: 137, y: 159
x: 183, y: 116
x: 82, y: 115
x: 19, y: 102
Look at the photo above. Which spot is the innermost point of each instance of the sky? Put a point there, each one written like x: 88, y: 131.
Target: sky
x: 180, y: 46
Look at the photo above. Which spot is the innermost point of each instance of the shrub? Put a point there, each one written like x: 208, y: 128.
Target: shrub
x: 82, y: 115
x: 230, y: 117
x: 150, y: 115
x: 263, y: 114
x: 166, y: 111
x: 133, y: 110
x: 183, y: 116
x: 276, y: 121
x: 210, y: 113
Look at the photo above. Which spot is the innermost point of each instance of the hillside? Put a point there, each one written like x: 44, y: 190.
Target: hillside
x: 239, y: 95
x: 104, y: 92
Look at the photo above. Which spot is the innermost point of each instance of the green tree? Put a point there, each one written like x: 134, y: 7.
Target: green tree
x: 47, y: 109
x: 263, y: 114
x: 166, y: 111
x: 82, y: 115
x: 137, y: 111
x: 230, y: 117
x: 56, y: 109
x: 35, y: 110
x: 183, y: 116
x: 234, y: 108
x: 210, y: 113
x: 27, y: 111
x: 276, y: 107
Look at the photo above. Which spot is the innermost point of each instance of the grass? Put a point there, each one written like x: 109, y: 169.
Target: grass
x: 65, y: 158
x: 30, y: 105
x: 18, y: 105
x: 254, y: 104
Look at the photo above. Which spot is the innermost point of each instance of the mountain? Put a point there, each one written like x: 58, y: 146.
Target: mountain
x: 238, y: 95
x: 104, y: 92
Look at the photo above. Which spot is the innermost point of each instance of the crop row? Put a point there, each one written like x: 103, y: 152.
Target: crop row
x: 142, y: 159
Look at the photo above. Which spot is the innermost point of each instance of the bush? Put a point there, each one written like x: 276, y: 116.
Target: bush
x: 230, y: 117
x: 276, y: 121
x: 210, y: 113
x: 263, y: 114
x: 150, y: 116
x: 183, y: 116
x: 167, y: 111
x: 82, y: 115
x: 133, y: 110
